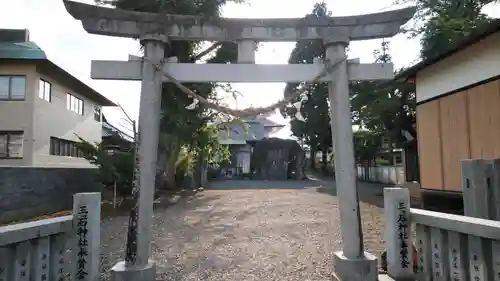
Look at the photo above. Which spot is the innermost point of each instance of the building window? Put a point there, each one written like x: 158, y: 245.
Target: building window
x: 74, y: 104
x: 11, y: 144
x: 45, y: 90
x: 385, y: 142
x: 398, y: 159
x: 97, y: 113
x: 12, y: 87
x: 62, y: 147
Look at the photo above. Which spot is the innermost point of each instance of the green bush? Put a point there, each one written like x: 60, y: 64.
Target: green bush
x: 184, y: 165
x: 116, y: 167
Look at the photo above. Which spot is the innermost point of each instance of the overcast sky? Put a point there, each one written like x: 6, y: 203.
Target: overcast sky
x: 69, y: 46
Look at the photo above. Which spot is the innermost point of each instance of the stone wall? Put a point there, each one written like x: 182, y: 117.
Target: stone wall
x: 26, y: 192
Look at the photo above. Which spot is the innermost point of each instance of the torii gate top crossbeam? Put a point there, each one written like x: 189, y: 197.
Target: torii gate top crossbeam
x: 122, y: 23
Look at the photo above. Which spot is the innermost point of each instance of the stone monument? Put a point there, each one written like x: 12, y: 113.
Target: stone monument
x: 155, y: 31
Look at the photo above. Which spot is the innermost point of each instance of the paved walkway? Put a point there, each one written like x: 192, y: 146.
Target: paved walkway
x: 251, y: 230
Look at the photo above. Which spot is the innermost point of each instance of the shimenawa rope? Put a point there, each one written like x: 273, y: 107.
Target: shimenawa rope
x: 248, y: 111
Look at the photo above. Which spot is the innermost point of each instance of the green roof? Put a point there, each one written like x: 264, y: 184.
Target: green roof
x: 21, y: 50
x: 29, y: 51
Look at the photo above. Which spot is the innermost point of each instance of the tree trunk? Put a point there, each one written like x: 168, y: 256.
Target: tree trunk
x: 312, y: 157
x: 199, y: 171
x: 168, y: 152
x: 170, y: 167
x: 300, y: 165
x: 324, y: 161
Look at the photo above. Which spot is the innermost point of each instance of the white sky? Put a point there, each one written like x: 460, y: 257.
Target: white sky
x: 72, y: 48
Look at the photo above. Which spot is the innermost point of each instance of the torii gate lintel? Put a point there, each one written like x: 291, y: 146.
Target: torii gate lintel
x: 122, y: 23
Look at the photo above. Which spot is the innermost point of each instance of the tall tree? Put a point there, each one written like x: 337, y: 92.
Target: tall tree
x: 389, y: 108
x: 385, y: 109
x: 441, y: 23
x: 316, y: 130
x: 319, y: 120
x: 367, y: 145
x: 178, y: 125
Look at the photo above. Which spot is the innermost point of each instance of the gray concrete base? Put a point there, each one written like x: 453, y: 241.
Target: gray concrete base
x: 120, y: 272
x: 385, y: 277
x: 361, y: 269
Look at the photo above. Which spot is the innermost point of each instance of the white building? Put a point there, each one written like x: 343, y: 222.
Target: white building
x: 239, y: 136
x: 250, y: 129
x: 43, y: 107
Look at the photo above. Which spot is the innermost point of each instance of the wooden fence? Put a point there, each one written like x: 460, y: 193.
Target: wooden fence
x: 54, y: 249
x: 449, y: 247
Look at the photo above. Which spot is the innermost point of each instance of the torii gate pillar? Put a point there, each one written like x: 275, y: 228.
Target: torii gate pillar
x: 351, y: 264
x: 139, y: 266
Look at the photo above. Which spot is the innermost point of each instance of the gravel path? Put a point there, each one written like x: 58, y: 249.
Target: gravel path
x: 249, y: 233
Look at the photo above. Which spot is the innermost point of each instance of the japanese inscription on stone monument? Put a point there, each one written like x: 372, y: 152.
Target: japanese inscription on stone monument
x: 436, y: 260
x: 82, y: 235
x: 402, y: 226
x: 421, y: 255
x: 60, y: 263
x: 455, y: 267
x: 44, y: 268
x: 476, y: 268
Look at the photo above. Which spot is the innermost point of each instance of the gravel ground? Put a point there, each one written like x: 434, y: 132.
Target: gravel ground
x: 240, y: 232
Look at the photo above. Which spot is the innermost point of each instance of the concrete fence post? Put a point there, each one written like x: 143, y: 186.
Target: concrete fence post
x: 398, y: 232
x: 480, y: 181
x: 86, y: 243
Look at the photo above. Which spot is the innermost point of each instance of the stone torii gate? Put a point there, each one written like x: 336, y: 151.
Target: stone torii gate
x: 155, y: 31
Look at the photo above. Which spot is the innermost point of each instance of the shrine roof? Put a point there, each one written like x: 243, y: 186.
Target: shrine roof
x: 239, y: 133
x: 264, y: 120
x: 476, y: 36
x: 109, y: 130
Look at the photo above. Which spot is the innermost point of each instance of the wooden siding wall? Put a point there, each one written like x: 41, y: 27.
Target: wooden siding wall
x: 464, y: 125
